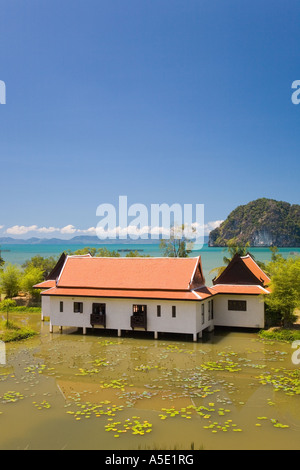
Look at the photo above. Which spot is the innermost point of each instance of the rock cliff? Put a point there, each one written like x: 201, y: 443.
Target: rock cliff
x: 264, y: 222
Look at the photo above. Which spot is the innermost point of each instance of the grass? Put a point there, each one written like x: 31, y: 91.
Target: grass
x: 10, y: 331
x: 22, y: 309
x: 280, y: 334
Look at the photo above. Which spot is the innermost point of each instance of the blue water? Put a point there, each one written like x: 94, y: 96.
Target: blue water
x: 211, y: 257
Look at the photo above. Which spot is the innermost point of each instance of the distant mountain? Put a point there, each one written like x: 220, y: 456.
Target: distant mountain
x: 78, y: 240
x: 264, y: 222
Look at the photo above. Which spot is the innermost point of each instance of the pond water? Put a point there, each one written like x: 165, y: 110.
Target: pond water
x: 68, y: 391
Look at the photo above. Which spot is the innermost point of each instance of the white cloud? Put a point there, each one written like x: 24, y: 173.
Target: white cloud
x: 129, y: 231
x: 88, y: 231
x: 21, y: 229
x: 211, y: 226
x: 68, y: 229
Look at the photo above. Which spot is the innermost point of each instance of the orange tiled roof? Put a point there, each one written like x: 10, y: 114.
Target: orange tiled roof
x: 131, y: 273
x: 123, y: 293
x: 239, y: 289
x: 45, y: 284
x: 142, y: 278
x: 255, y: 269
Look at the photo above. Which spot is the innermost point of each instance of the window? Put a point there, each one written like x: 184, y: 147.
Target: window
x: 210, y: 310
x: 159, y: 310
x: 173, y: 311
x: 202, y: 313
x: 99, y: 309
x: 139, y: 309
x: 61, y: 307
x: 237, y: 305
x: 78, y: 307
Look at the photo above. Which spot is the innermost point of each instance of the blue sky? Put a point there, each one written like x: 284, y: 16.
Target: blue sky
x: 164, y: 101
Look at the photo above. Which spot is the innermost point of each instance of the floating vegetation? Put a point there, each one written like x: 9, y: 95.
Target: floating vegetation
x: 225, y: 427
x: 222, y: 365
x: 44, y: 405
x: 119, y: 384
x: 38, y: 369
x: 147, y: 367
x: 133, y: 425
x: 108, y: 342
x: 282, y: 379
x: 275, y: 422
x: 87, y: 410
x: 12, y: 397
x: 181, y: 388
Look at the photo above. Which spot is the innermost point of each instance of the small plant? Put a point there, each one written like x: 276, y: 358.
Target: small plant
x: 8, y: 305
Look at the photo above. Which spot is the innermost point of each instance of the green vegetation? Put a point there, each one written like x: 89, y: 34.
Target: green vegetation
x: 30, y: 277
x: 101, y: 252
x: 41, y: 264
x: 285, y: 289
x: 178, y: 245
x: 105, y: 252
x: 261, y: 222
x: 233, y: 248
x: 280, y: 334
x: 9, y: 331
x: 136, y: 254
x: 8, y: 305
x: 10, y: 280
x: 20, y: 309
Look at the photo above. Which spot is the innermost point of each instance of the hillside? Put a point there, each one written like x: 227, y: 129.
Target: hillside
x: 264, y: 222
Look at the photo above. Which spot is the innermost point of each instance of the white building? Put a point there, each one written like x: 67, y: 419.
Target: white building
x: 152, y: 294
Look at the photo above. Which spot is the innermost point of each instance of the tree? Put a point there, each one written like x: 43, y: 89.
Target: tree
x: 44, y: 264
x: 31, y: 277
x: 178, y: 245
x: 7, y: 305
x: 106, y: 253
x: 285, y: 288
x: 83, y: 251
x: 2, y: 262
x: 233, y: 248
x: 136, y: 254
x: 10, y: 279
x: 101, y: 252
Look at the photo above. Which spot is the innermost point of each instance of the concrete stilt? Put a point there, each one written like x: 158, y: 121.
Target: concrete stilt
x: 195, y: 337
x: 51, y: 327
x: 119, y: 333
x: 84, y: 331
x: 155, y: 334
x: 60, y: 328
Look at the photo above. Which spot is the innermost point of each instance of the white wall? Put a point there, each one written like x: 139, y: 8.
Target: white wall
x: 207, y: 323
x: 252, y: 318
x: 119, y: 311
x: 45, y: 306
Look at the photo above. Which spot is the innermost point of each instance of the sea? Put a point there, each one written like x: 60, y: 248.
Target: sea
x: 211, y: 257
